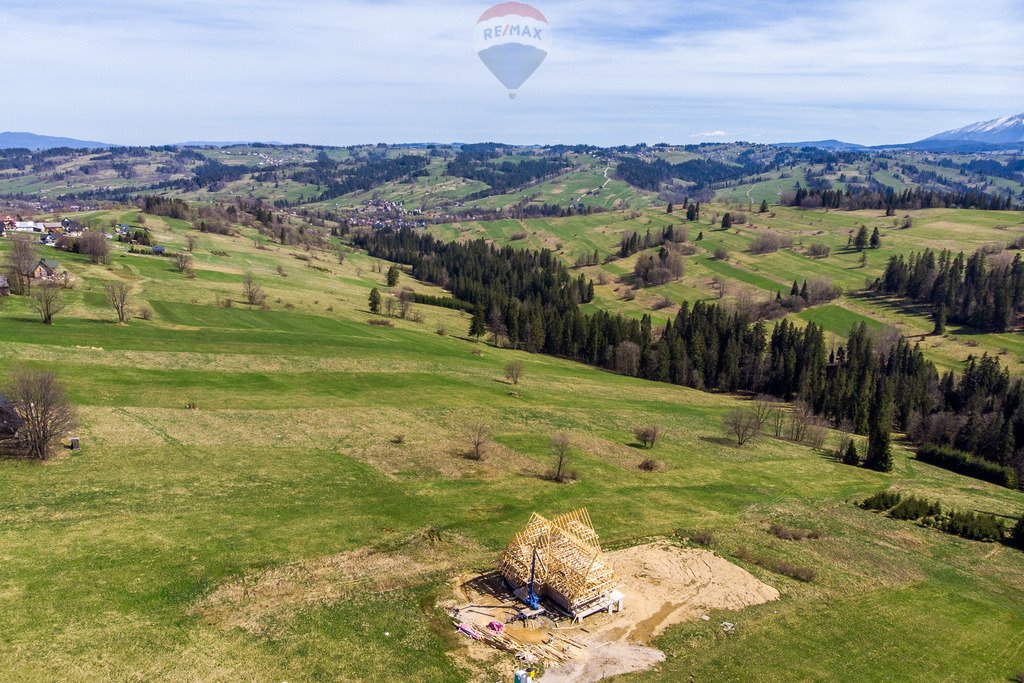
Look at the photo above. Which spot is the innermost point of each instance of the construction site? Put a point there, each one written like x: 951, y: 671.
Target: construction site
x: 557, y: 601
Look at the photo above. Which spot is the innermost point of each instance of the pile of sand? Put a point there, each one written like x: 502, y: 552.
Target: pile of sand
x: 664, y: 585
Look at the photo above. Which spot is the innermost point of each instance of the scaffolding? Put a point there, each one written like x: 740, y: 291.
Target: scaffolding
x: 571, y: 569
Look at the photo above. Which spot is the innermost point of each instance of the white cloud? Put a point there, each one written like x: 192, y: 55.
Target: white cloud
x: 710, y: 134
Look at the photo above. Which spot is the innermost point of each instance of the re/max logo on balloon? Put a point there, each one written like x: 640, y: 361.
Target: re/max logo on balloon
x: 513, y: 30
x: 512, y: 40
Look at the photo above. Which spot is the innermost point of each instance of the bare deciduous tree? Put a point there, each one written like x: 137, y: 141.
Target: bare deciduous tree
x: 48, y: 301
x: 251, y: 290
x: 93, y: 244
x: 562, y: 448
x: 18, y: 264
x: 741, y: 424
x: 44, y: 413
x: 514, y: 372
x: 647, y: 435
x: 117, y: 295
x: 190, y: 243
x: 183, y: 262
x: 405, y: 299
x: 479, y: 440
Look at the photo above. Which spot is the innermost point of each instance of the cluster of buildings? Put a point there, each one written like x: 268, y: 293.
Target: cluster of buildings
x: 47, y: 232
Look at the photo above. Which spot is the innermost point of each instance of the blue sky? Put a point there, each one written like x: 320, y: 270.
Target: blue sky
x: 352, y: 71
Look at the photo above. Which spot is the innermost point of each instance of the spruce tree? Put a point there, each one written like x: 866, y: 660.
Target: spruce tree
x: 478, y: 326
x: 876, y: 239
x: 851, y: 456
x: 671, y: 208
x: 726, y: 221
x: 940, y: 320
x: 860, y: 242
x: 374, y: 300
x: 392, y: 276
x: 879, y: 455
x: 764, y: 206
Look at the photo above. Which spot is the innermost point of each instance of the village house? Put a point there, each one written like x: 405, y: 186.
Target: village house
x: 25, y: 226
x: 44, y: 269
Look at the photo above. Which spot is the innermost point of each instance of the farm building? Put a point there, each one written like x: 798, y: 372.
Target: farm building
x: 561, y: 560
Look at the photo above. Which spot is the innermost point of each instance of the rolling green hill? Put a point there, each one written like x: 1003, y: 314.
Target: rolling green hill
x: 232, y: 446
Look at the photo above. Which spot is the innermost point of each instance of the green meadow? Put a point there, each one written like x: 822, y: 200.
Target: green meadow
x: 283, y: 494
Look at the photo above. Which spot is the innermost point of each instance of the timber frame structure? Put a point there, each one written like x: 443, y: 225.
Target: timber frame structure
x: 570, y: 567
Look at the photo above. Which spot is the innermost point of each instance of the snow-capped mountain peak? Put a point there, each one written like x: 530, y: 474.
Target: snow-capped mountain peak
x: 1001, y: 130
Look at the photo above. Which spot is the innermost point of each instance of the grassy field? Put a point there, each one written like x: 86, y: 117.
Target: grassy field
x: 329, y: 452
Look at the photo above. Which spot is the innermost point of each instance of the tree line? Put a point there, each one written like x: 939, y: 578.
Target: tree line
x: 528, y: 300
x: 907, y: 200
x: 972, y: 291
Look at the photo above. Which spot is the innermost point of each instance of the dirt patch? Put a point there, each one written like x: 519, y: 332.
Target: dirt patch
x: 663, y: 585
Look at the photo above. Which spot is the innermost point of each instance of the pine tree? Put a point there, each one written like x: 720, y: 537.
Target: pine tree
x: 671, y: 208
x: 851, y: 456
x: 726, y: 221
x: 860, y: 242
x: 879, y: 455
x: 876, y: 239
x: 478, y: 326
x: 764, y: 206
x: 393, y: 276
x: 374, y: 300
x: 803, y: 291
x: 940, y: 320
x: 795, y: 289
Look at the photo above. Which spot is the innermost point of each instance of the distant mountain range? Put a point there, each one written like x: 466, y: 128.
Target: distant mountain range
x: 998, y: 134
x: 10, y: 140
x: 1009, y: 129
x: 838, y: 145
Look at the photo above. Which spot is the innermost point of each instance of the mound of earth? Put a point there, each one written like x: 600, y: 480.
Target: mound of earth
x: 664, y: 585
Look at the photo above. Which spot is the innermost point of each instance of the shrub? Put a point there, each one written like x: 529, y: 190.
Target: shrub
x: 769, y: 242
x: 963, y: 463
x: 650, y: 465
x: 647, y: 435
x: 721, y: 254
x: 819, y: 251
x: 145, y: 313
x: 380, y: 322
x: 702, y: 537
x: 661, y: 303
x: 883, y: 500
x: 972, y: 525
x: 442, y: 331
x: 517, y: 236
x: 398, y: 439
x: 789, y: 534
x: 913, y: 507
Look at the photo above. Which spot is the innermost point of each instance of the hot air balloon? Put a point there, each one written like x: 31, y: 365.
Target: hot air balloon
x: 512, y: 39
